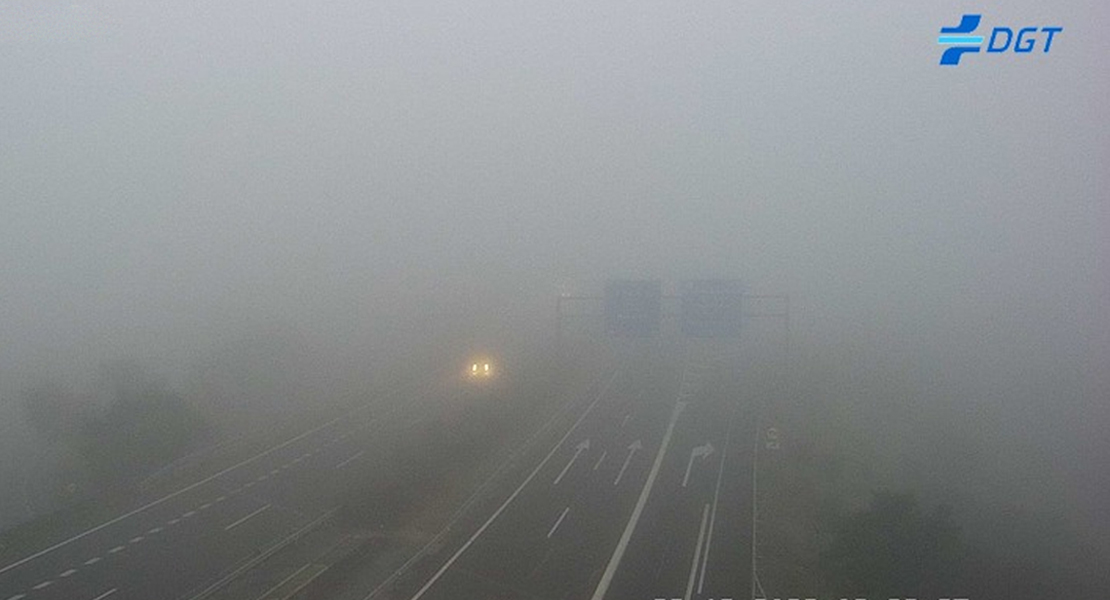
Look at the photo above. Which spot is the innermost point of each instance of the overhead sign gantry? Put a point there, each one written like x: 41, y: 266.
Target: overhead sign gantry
x: 633, y: 308
x: 711, y: 308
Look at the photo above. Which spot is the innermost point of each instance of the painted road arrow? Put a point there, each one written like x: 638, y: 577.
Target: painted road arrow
x: 579, y: 449
x: 697, y: 452
x: 632, y: 448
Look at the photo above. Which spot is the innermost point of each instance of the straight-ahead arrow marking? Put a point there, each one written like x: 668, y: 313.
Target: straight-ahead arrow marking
x: 632, y: 448
x: 579, y: 449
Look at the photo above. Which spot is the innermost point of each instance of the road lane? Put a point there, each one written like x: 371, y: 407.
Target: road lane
x: 551, y: 539
x: 664, y: 481
x: 291, y: 476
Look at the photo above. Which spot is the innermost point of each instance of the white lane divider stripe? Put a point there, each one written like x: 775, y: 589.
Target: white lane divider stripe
x: 349, y: 460
x: 697, y: 553
x: 106, y: 594
x: 188, y: 514
x: 244, y: 519
x: 67, y: 572
x: 302, y: 435
x: 497, y: 513
x: 136, y: 539
x: 18, y: 597
x: 713, y: 511
x: 598, y: 463
x: 92, y: 561
x: 115, y: 550
x: 558, y: 522
x: 42, y: 585
x: 285, y: 581
x: 622, y: 544
x: 154, y: 530
x: 205, y: 506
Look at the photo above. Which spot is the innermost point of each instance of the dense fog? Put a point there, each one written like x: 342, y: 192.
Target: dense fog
x: 264, y: 209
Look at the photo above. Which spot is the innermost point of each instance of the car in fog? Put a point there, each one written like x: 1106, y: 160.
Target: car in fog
x: 480, y: 369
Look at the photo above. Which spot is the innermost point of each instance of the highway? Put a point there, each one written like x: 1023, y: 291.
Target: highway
x: 177, y: 545
x: 645, y: 495
x: 637, y: 486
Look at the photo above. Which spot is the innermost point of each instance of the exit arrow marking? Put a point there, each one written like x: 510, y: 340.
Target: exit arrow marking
x: 581, y: 447
x: 697, y: 452
x: 632, y: 448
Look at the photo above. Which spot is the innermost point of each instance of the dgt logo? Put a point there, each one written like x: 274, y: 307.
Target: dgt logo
x: 960, y: 40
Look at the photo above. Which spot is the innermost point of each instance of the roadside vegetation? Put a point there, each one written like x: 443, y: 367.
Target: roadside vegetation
x: 125, y: 426
x: 877, y: 485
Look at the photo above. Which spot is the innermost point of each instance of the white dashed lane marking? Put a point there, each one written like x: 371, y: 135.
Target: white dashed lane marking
x: 116, y: 549
x: 106, y: 594
x: 205, y: 506
x: 44, y: 584
x: 558, y: 522
x: 136, y: 539
x: 349, y: 460
x: 154, y: 530
x: 188, y: 514
x: 67, y: 572
x: 92, y: 561
x: 244, y: 519
x: 173, y: 521
x: 18, y: 597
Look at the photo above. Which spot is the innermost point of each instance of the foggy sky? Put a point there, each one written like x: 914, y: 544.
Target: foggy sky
x: 170, y: 172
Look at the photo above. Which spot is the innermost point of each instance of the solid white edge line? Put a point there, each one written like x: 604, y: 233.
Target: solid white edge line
x: 515, y: 493
x: 244, y: 519
x: 345, y: 416
x: 618, y: 553
x: 173, y: 495
x: 716, y: 495
x: 470, y: 500
x: 697, y: 553
x: 285, y: 581
x: 252, y: 562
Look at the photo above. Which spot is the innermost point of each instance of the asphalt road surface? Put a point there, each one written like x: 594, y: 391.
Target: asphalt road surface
x: 641, y: 490
x: 646, y: 495
x: 175, y: 546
